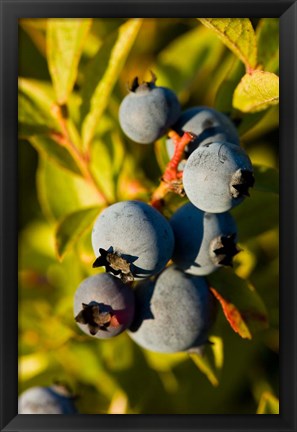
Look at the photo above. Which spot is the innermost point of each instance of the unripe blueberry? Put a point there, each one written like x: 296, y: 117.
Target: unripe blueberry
x: 173, y: 313
x: 208, y: 124
x: 203, y: 241
x: 148, y: 111
x: 135, y: 234
x: 217, y: 177
x: 103, y: 306
x: 46, y: 400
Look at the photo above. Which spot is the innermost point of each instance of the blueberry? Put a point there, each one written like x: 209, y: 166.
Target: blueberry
x: 174, y: 313
x: 46, y: 400
x: 132, y: 239
x: 203, y: 241
x: 207, y: 124
x: 103, y: 306
x: 217, y: 177
x: 148, y: 111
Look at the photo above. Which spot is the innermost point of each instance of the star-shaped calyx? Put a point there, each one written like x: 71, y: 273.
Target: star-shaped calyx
x: 224, y: 249
x: 145, y: 85
x: 241, y: 181
x: 114, y: 264
x: 92, y: 316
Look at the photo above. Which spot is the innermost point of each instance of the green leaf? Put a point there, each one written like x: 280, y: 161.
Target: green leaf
x: 268, y: 404
x: 179, y: 73
x: 107, y: 158
x: 49, y: 148
x: 61, y: 192
x: 105, y: 83
x: 210, y: 360
x: 241, y: 304
x: 93, y: 73
x: 238, y: 35
x: 65, y: 38
x: 249, y: 121
x: 256, y: 92
x: 223, y: 99
x: 257, y: 214
x: 266, y: 179
x: 267, y: 34
x: 255, y: 126
x: 35, y: 101
x: 71, y: 228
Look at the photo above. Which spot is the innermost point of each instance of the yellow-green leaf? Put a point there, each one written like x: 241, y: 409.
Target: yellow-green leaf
x: 256, y: 92
x: 50, y: 149
x: 65, y: 38
x: 268, y: 404
x: 210, y: 360
x: 238, y: 35
x: 35, y: 101
x: 267, y: 34
x: 60, y: 192
x: 100, y: 98
x: 266, y: 179
x: 179, y: 74
x: 72, y: 227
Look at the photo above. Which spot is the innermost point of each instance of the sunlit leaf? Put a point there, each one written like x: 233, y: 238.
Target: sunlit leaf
x: 241, y: 304
x: 31, y: 365
x: 267, y: 34
x: 178, y: 72
x: 268, y: 404
x: 35, y: 100
x: 223, y: 98
x: 61, y: 192
x: 106, y: 81
x: 238, y: 35
x: 210, y: 359
x: 118, y: 404
x: 65, y: 38
x: 107, y: 157
x: 71, y: 228
x: 49, y: 148
x: 256, y: 92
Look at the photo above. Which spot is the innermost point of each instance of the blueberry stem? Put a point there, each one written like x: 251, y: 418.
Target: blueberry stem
x: 172, y: 178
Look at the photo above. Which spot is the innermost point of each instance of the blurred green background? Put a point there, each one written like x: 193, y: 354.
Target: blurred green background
x: 74, y: 160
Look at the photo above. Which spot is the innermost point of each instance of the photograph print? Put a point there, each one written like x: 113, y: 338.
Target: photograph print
x: 148, y: 197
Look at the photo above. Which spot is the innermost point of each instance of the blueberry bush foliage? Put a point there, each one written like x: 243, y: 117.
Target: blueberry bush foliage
x: 74, y: 161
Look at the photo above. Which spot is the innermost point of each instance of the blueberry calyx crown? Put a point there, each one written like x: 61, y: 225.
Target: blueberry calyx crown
x: 114, y: 264
x: 145, y: 85
x: 94, y: 318
x: 225, y: 249
x: 241, y: 181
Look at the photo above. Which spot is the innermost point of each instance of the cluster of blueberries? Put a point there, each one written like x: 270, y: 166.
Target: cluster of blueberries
x: 164, y: 308
x: 167, y: 309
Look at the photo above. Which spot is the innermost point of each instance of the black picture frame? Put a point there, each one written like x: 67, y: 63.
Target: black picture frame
x: 11, y: 11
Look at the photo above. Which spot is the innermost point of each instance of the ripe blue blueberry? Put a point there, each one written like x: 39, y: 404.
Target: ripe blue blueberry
x: 217, y: 177
x: 203, y: 241
x: 46, y: 400
x: 132, y: 240
x: 208, y: 124
x: 103, y: 306
x: 148, y: 111
x: 173, y: 313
